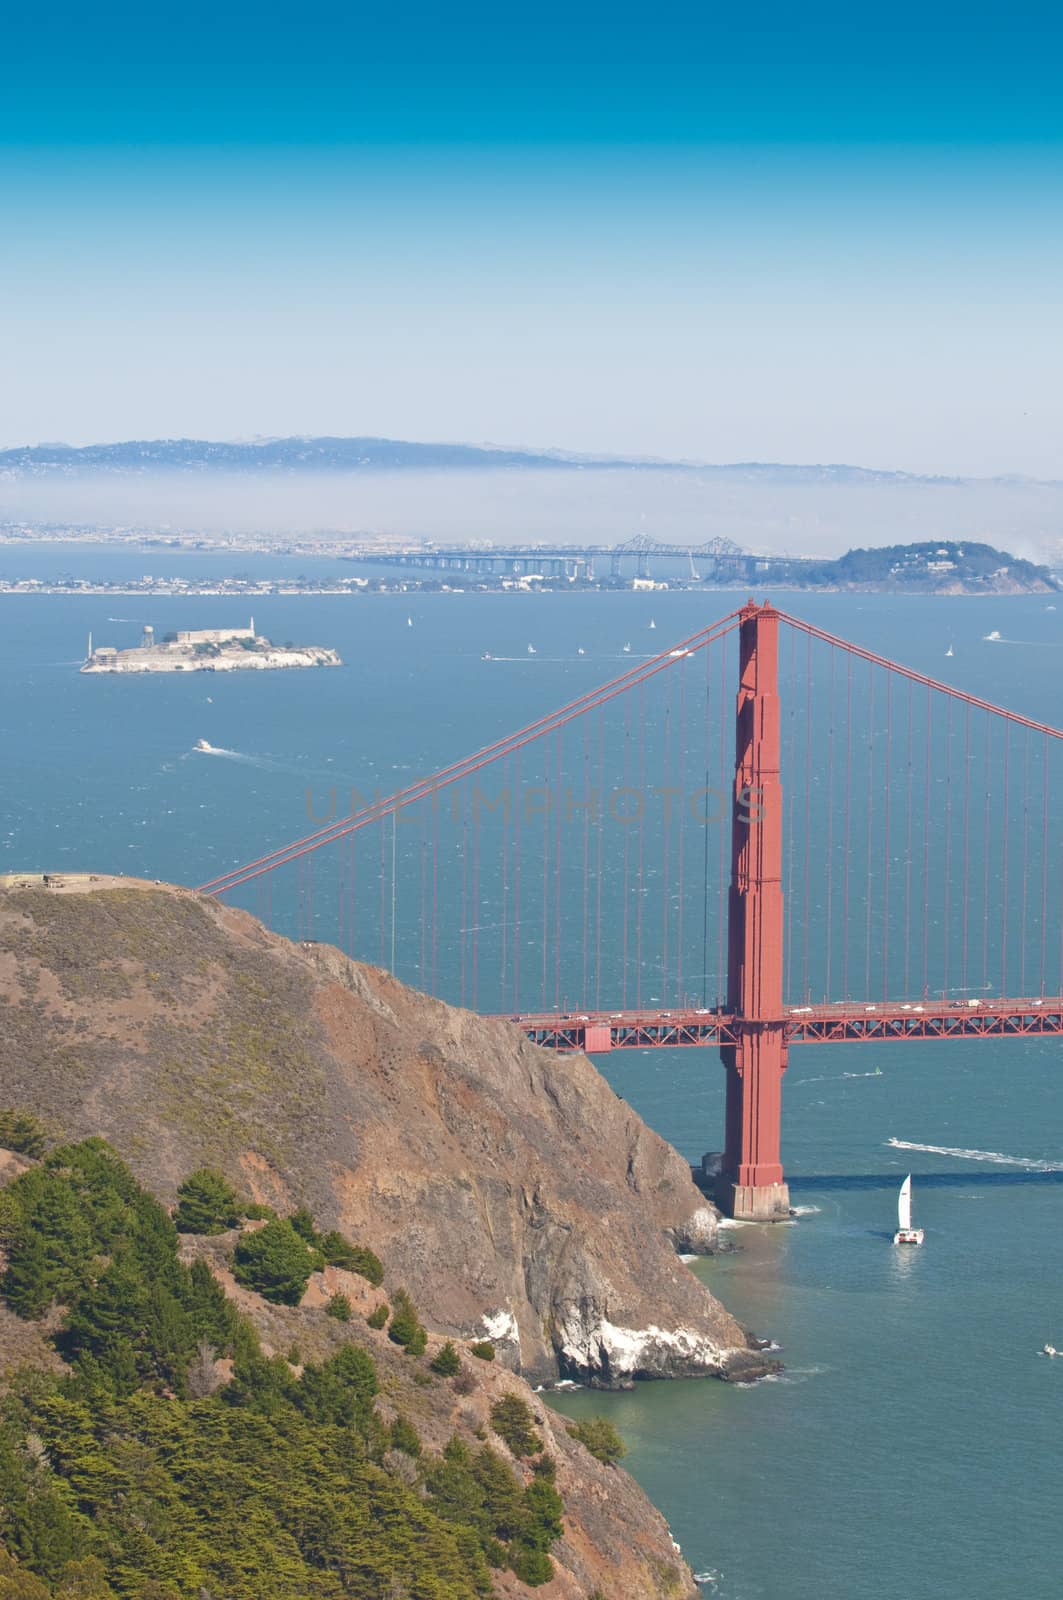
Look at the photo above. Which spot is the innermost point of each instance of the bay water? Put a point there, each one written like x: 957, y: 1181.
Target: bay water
x: 911, y: 1447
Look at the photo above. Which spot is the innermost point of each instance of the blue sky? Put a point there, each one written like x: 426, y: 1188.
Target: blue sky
x: 694, y: 231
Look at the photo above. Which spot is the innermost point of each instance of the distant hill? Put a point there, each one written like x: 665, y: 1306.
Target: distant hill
x: 931, y: 567
x: 139, y: 457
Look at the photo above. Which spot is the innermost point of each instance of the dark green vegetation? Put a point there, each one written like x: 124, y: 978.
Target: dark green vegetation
x: 512, y: 1420
x: 145, y: 1472
x: 405, y: 1328
x: 21, y: 1131
x: 484, y: 1349
x: 598, y: 1435
x: 939, y: 565
x: 206, y: 1203
x: 447, y: 1363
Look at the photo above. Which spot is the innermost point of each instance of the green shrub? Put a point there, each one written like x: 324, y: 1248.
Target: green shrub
x: 405, y: 1327
x: 257, y: 1212
x: 512, y: 1420
x: 446, y: 1361
x: 206, y: 1203
x: 339, y: 1307
x: 339, y: 1252
x: 598, y: 1435
x: 21, y: 1131
x: 484, y: 1349
x: 377, y: 1318
x: 404, y: 1437
x: 303, y: 1223
x: 275, y: 1262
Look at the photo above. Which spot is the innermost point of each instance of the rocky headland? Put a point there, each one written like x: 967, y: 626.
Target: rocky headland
x: 514, y: 1195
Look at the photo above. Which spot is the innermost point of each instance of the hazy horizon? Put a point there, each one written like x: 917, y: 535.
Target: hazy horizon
x: 606, y: 506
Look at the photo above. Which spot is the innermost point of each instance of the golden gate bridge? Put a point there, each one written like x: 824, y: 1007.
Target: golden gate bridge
x: 847, y: 851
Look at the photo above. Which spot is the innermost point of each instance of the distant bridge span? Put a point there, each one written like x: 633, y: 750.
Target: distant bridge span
x: 562, y: 560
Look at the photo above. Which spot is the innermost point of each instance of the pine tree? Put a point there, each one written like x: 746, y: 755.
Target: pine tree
x: 446, y: 1362
x: 25, y: 1283
x: 275, y: 1262
x: 206, y: 1203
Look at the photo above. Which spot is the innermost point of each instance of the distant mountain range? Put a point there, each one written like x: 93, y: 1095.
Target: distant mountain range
x: 140, y: 457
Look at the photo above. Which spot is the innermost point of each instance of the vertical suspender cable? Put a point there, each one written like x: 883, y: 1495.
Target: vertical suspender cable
x: 870, y: 824
x: 503, y: 963
x: 464, y: 892
x: 599, y: 807
x: 848, y: 820
x: 394, y: 840
x: 519, y: 793
x: 886, y: 840
x: 1004, y: 873
x: 726, y: 801
x: 808, y: 812
x: 547, y: 792
x: 585, y: 987
x: 557, y: 883
x: 926, y: 842
x: 947, y: 879
x: 985, y: 852
x: 475, y: 892
x: 830, y: 826
x: 665, y: 832
x: 627, y: 846
x: 705, y: 836
x: 1044, y: 857
x: 789, y: 798
x: 682, y: 828
x: 641, y: 815
x: 966, y: 840
x: 908, y: 806
x: 1025, y: 854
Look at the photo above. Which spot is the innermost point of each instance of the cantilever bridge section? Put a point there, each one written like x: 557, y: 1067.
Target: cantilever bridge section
x: 761, y: 837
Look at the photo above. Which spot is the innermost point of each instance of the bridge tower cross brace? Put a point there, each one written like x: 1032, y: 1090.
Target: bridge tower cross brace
x: 751, y: 1184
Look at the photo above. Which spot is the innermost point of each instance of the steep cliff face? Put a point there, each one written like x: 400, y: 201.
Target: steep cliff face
x: 510, y: 1190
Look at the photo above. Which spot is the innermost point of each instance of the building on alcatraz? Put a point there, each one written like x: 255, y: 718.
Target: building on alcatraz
x: 216, y: 635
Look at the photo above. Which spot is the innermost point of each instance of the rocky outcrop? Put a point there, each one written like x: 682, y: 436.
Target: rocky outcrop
x: 514, y: 1194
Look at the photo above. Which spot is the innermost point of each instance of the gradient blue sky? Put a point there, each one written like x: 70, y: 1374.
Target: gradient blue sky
x: 778, y: 234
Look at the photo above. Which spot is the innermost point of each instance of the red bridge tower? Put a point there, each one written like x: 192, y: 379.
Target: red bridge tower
x: 751, y: 1182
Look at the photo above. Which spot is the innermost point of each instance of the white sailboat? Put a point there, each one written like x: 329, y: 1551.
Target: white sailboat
x: 652, y: 623
x: 531, y: 649
x: 950, y: 651
x: 581, y: 651
x: 906, y: 1234
x: 627, y: 649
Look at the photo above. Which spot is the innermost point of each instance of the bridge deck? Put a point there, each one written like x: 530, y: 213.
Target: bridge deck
x: 598, y: 1032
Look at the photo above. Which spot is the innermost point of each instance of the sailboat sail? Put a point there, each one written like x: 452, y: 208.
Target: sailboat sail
x: 904, y: 1205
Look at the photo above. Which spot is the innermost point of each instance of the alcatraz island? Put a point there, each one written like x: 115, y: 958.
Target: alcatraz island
x: 208, y: 650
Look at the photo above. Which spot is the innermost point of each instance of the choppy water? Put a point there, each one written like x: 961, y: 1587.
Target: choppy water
x: 911, y: 1449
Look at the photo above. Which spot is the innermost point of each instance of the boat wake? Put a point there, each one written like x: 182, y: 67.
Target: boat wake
x: 202, y: 748
x: 806, y: 1211
x: 996, y: 1157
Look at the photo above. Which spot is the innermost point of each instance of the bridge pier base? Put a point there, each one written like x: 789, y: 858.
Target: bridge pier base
x: 753, y: 1202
